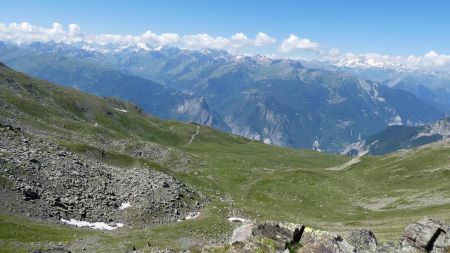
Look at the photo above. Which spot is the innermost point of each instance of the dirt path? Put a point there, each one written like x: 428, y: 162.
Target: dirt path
x: 197, y: 131
x: 346, y: 165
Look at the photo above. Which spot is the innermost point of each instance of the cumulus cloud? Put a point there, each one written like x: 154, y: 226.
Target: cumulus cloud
x: 74, y: 30
x: 205, y: 41
x: 235, y: 42
x: 430, y: 60
x: 294, y: 42
x: 25, y: 32
x: 263, y: 39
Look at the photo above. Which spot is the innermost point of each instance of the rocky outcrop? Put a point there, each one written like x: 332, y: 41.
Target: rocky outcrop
x: 284, y: 237
x: 429, y: 235
x: 274, y: 231
x: 43, y: 180
x: 322, y: 241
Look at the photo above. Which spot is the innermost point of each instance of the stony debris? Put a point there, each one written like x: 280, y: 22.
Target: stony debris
x: 362, y: 240
x: 41, y: 179
x: 53, y: 250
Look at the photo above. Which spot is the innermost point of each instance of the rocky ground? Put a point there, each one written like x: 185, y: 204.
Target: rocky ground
x: 426, y: 235
x: 43, y: 180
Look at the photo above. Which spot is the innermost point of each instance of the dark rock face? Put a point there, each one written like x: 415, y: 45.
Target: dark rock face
x: 363, y: 240
x: 429, y: 235
x: 274, y: 231
x: 43, y: 180
x: 30, y: 194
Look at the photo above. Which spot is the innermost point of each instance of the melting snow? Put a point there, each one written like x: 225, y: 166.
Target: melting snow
x: 93, y: 225
x: 190, y: 216
x: 124, y: 205
x: 396, y: 120
x: 316, y: 146
x: 120, y: 110
x: 267, y: 141
x: 143, y: 46
x: 237, y: 219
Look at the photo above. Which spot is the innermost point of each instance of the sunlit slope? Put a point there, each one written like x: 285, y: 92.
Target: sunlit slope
x: 241, y: 177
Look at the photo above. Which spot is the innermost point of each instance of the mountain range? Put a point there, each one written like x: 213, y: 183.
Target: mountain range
x: 278, y: 101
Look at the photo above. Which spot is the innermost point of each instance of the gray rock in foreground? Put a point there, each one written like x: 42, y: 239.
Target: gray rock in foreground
x: 426, y: 235
x: 429, y: 235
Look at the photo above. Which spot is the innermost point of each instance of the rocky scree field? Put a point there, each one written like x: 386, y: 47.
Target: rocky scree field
x: 63, y: 185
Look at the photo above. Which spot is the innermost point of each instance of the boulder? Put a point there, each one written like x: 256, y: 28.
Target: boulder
x: 325, y: 242
x: 30, y: 193
x: 252, y: 236
x: 362, y: 240
x: 428, y: 235
x: 242, y: 233
x: 274, y: 231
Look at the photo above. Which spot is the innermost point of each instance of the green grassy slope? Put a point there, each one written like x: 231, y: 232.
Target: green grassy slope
x: 242, y: 177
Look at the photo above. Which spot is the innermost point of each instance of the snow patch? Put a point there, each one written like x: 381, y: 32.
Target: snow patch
x: 124, y: 205
x: 316, y: 146
x: 143, y: 46
x: 93, y: 225
x: 190, y: 216
x: 120, y: 110
x: 267, y: 141
x: 396, y: 121
x: 237, y: 219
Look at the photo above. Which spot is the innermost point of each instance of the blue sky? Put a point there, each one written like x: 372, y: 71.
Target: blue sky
x: 388, y: 27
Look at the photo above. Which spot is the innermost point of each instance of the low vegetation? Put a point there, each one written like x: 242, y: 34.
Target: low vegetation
x: 240, y: 177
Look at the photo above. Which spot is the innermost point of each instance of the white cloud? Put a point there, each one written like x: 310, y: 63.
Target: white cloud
x: 263, y: 39
x: 74, y: 30
x: 204, y: 40
x: 334, y: 52
x: 235, y: 42
x: 294, y: 42
x: 239, y: 40
x: 25, y: 32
